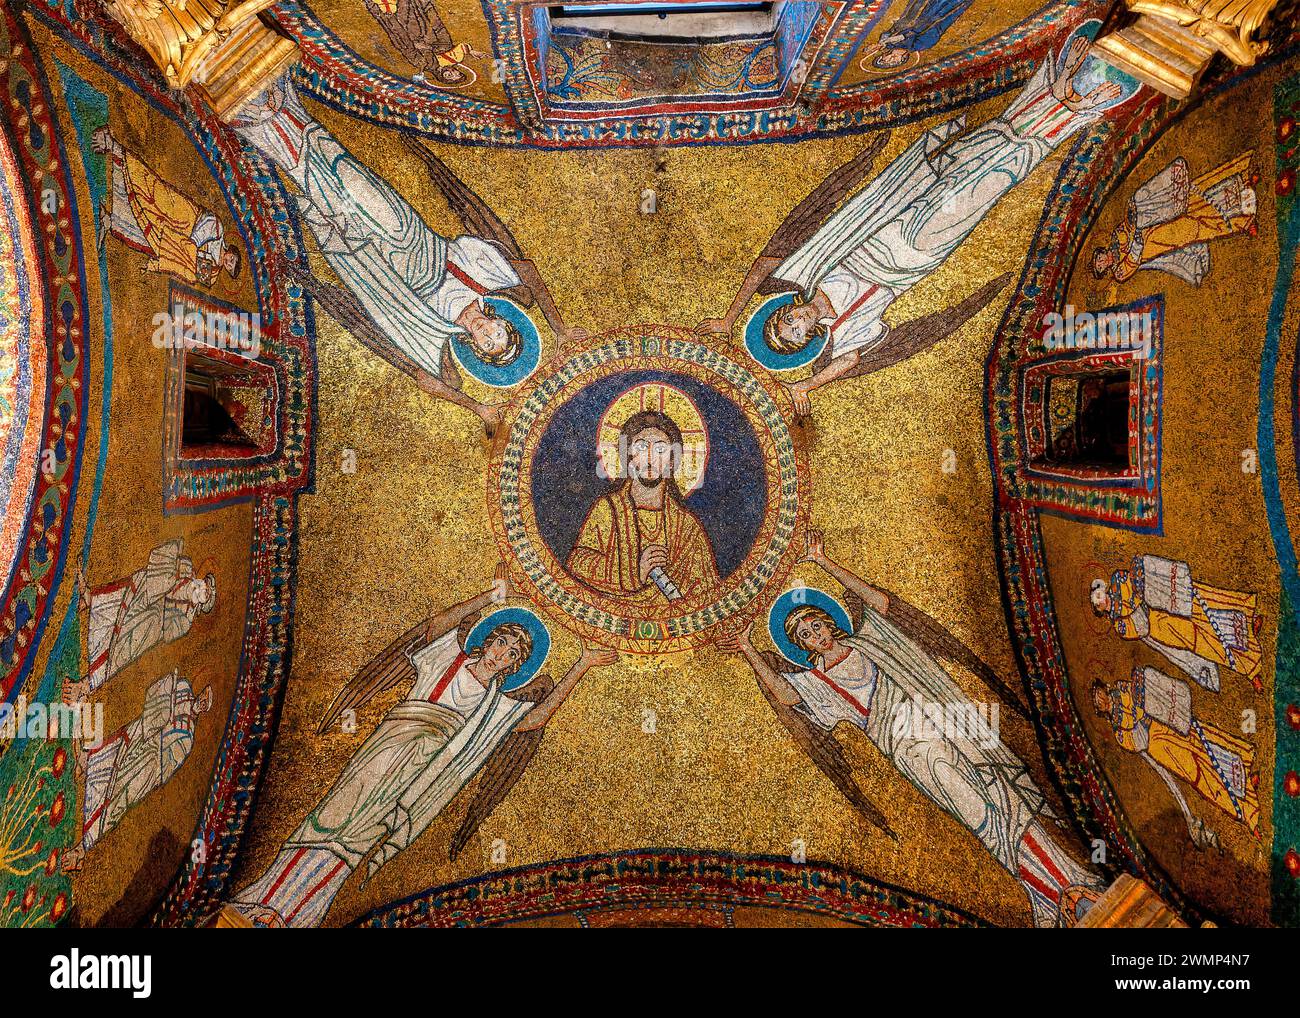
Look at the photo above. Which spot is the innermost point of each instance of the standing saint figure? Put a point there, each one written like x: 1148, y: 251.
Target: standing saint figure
x: 148, y: 214
x: 845, y: 269
x: 1151, y: 716
x: 1200, y: 628
x: 417, y: 30
x: 920, y: 26
x: 879, y: 679
x: 407, y: 290
x: 139, y: 757
x: 640, y: 542
x: 1171, y: 219
x: 461, y: 715
x: 156, y: 604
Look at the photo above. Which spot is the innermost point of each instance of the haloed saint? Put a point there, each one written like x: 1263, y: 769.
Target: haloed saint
x: 640, y: 541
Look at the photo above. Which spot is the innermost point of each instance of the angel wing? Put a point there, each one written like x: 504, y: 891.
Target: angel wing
x: 938, y: 642
x: 503, y: 769
x: 390, y: 668
x: 920, y: 334
x: 348, y: 312
x: 477, y: 218
x: 806, y: 217
x: 822, y: 749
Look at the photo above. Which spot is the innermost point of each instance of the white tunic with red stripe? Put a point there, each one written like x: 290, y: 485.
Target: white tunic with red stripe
x: 410, y: 279
x: 403, y: 776
x: 981, y: 784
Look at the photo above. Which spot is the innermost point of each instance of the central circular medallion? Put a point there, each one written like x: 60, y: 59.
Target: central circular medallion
x: 645, y: 488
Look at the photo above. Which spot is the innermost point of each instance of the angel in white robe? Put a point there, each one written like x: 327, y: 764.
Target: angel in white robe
x: 878, y: 679
x: 846, y: 267
x: 408, y: 291
x: 138, y: 758
x: 156, y: 604
x: 456, y: 720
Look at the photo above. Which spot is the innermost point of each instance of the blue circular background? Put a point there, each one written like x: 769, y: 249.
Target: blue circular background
x: 503, y: 376
x: 731, y: 498
x: 797, y: 597
x: 769, y: 358
x: 525, y: 618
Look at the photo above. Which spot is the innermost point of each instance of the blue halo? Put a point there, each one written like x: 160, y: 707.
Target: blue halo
x: 794, y: 598
x: 541, y: 641
x: 502, y: 376
x: 767, y: 357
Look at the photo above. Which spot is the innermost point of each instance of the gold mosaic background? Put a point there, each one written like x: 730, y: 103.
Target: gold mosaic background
x: 407, y: 533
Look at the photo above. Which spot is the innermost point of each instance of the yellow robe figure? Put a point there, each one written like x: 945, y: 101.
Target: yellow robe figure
x: 151, y: 216
x: 1170, y: 221
x: 1219, y: 766
x: 1230, y: 640
x: 607, y: 554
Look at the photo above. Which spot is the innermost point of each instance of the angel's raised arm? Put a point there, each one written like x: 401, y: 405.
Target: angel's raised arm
x: 392, y: 666
x: 591, y: 657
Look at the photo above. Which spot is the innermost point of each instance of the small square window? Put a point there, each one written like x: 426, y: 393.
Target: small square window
x: 228, y: 408
x: 1087, y: 420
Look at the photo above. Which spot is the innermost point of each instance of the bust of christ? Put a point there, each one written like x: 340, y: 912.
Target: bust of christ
x: 640, y: 542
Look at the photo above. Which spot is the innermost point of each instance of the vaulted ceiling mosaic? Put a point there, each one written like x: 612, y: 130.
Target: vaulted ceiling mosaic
x: 468, y: 466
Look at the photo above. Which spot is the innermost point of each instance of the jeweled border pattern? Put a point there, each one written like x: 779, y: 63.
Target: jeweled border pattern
x: 1132, y: 502
x: 332, y: 73
x: 42, y: 547
x: 667, y: 877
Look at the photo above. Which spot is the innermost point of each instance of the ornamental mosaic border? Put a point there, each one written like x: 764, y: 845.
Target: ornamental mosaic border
x: 335, y: 75
x: 667, y: 877
x: 1132, y: 502
x: 59, y: 272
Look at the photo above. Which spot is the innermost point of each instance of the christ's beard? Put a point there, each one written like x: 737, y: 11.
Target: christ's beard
x: 646, y: 482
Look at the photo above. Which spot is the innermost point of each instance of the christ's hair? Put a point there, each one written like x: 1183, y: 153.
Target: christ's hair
x: 772, y: 329
x: 645, y: 420
x: 810, y: 612
x: 507, y: 630
x: 514, y: 342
